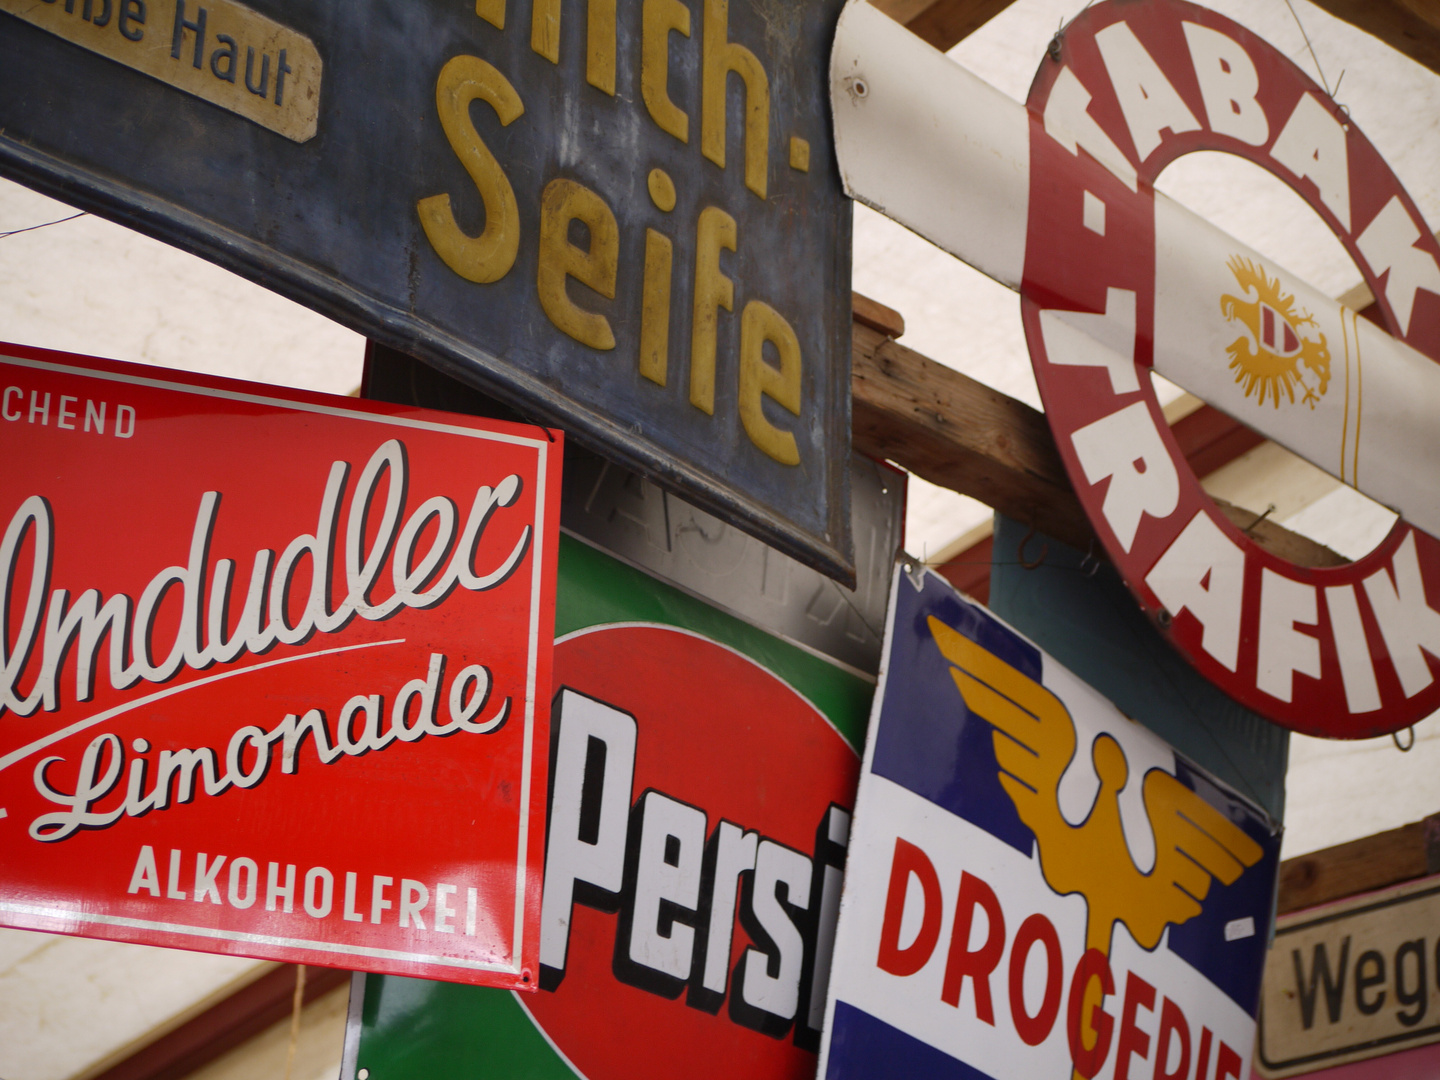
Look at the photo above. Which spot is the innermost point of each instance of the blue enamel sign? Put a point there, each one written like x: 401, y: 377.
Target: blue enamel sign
x: 623, y: 219
x: 1037, y: 886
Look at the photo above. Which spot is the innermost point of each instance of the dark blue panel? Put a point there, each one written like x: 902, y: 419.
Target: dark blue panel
x: 1086, y: 618
x: 927, y: 740
x: 1083, y: 615
x: 332, y: 222
x: 865, y: 1048
x: 1234, y: 966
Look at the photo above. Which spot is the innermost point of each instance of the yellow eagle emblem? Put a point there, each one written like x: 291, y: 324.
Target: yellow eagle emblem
x: 1035, y: 742
x: 1274, y: 354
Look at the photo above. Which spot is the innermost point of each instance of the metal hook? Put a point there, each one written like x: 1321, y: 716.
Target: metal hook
x: 1268, y: 511
x: 914, y: 573
x: 1404, y: 748
x: 1053, y: 49
x: 536, y: 423
x: 1020, y: 552
x: 1090, y: 564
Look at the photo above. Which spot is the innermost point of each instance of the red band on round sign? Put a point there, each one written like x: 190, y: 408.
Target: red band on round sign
x: 698, y: 818
x: 1111, y: 283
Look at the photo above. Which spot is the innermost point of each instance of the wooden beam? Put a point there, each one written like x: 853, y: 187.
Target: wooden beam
x: 963, y: 435
x: 960, y: 434
x: 1387, y: 858
x: 1278, y: 540
x: 224, y: 1026
x: 1210, y: 440
x: 943, y: 23
x: 1408, y: 27
x: 877, y: 316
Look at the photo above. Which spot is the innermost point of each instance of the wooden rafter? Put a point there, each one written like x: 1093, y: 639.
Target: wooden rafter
x: 963, y: 435
x: 225, y: 1025
x: 943, y: 23
x: 1407, y: 27
x: 1387, y: 858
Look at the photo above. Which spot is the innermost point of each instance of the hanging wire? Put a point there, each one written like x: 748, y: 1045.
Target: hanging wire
x: 1268, y: 511
x: 536, y: 423
x: 1323, y: 82
x: 1404, y: 748
x: 1020, y: 551
x: 296, y: 1005
x: 42, y: 225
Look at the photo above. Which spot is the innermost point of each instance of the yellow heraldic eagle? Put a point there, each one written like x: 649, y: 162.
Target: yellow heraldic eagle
x: 1274, y: 353
x: 1034, y: 745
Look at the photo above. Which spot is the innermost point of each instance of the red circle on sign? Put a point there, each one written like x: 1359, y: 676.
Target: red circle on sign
x: 1129, y: 88
x: 718, y: 732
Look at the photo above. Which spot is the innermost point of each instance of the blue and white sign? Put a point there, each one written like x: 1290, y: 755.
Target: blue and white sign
x: 1038, y: 886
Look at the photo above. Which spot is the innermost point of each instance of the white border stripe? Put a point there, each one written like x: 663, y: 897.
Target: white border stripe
x: 219, y: 933
x: 354, y: 1023
x: 596, y: 628
x: 544, y: 451
x: 282, y: 403
x: 537, y: 555
x: 520, y: 1000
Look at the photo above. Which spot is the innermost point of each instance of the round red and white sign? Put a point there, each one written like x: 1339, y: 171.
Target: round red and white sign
x: 699, y: 814
x: 1114, y: 282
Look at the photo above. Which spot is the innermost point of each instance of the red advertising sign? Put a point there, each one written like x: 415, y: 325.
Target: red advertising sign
x: 698, y: 826
x: 274, y: 670
x: 1116, y: 283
